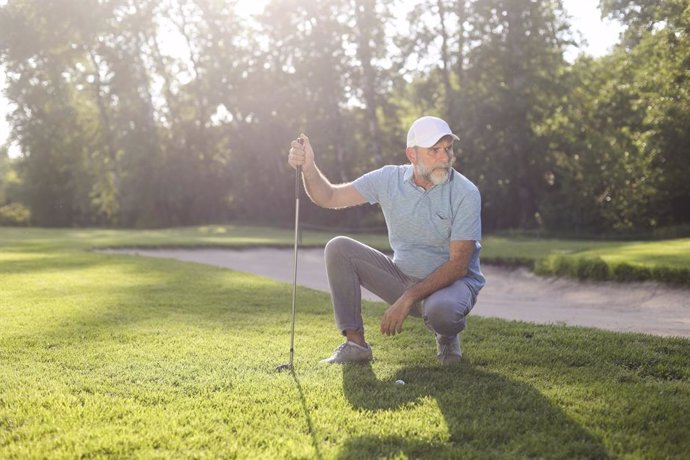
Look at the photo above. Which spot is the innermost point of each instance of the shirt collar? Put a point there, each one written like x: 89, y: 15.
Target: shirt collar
x: 407, y: 177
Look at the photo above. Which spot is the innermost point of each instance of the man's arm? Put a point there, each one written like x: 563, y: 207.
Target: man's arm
x: 327, y: 195
x: 319, y: 189
x: 455, y: 268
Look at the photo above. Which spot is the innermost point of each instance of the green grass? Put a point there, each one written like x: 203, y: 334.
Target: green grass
x: 665, y: 260
x: 674, y: 253
x: 670, y: 253
x: 214, y: 235
x: 116, y: 356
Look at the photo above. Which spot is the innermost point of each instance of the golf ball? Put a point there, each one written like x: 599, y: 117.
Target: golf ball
x: 400, y: 382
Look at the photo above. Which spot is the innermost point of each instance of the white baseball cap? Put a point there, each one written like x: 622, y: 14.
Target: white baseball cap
x: 426, y: 131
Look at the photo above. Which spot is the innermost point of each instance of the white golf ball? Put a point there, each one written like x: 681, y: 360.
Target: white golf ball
x: 400, y: 382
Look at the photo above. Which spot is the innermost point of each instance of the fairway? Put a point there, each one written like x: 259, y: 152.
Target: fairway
x: 534, y: 150
x: 114, y: 356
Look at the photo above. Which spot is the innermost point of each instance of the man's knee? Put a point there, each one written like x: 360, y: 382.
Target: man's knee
x: 445, y: 314
x: 336, y: 244
x: 444, y: 318
x: 337, y: 248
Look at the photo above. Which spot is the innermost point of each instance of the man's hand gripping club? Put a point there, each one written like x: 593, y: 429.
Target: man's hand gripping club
x: 301, y: 154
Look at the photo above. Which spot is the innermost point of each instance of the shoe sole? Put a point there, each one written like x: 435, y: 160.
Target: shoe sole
x: 330, y: 361
x: 450, y: 360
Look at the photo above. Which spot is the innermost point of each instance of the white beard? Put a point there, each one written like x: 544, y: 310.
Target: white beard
x: 436, y: 176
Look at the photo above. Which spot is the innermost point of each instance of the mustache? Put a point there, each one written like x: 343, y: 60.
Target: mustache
x: 451, y: 160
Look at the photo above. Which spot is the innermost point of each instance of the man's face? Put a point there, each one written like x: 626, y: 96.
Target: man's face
x: 433, y: 164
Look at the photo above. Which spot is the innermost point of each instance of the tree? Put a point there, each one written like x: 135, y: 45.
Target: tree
x: 51, y: 119
x: 511, y: 83
x: 117, y: 127
x: 658, y: 41
x: 368, y: 36
x: 6, y: 175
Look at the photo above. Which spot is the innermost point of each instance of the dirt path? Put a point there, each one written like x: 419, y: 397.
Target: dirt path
x: 510, y: 293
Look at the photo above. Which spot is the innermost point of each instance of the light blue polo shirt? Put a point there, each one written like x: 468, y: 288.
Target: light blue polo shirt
x: 422, y: 223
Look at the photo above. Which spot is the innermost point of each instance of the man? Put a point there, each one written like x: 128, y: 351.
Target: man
x: 434, y: 227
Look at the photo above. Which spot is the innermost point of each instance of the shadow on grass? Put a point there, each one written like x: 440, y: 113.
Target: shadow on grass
x: 486, y: 414
x: 307, y: 415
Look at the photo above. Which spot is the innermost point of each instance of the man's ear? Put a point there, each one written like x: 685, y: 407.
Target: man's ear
x: 411, y: 155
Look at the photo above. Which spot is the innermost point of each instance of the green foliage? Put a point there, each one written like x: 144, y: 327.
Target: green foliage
x: 593, y: 142
x: 627, y: 272
x: 115, y: 356
x: 14, y: 214
x: 573, y: 267
x: 511, y: 85
x: 118, y: 128
x: 620, y: 139
x: 671, y: 275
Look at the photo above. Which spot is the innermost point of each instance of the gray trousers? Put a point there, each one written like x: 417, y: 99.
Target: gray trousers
x: 351, y: 265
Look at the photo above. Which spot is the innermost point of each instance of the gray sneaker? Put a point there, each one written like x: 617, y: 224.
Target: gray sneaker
x: 349, y: 352
x: 449, y: 351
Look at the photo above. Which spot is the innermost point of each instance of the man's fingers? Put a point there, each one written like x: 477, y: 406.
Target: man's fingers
x: 296, y: 155
x: 385, y: 327
x: 391, y: 326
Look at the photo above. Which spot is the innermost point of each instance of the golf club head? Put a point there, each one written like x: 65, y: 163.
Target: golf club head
x: 284, y: 367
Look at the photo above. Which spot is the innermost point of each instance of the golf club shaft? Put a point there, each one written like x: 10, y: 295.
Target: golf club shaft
x: 298, y: 176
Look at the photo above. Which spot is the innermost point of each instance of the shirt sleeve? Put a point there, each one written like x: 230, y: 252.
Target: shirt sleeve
x: 370, y: 184
x: 467, y: 222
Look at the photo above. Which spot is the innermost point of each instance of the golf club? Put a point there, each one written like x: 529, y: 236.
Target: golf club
x: 298, y: 176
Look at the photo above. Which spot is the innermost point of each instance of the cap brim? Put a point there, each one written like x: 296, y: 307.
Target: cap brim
x: 429, y: 145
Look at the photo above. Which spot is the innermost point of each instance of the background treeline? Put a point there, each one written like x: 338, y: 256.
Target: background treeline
x: 176, y: 112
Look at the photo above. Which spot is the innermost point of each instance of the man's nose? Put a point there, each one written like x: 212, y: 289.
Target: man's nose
x: 444, y: 154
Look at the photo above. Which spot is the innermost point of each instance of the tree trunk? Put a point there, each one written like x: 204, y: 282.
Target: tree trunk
x: 519, y: 142
x: 111, y: 149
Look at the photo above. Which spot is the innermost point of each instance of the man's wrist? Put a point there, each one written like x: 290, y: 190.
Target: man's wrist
x: 408, y: 299
x: 311, y: 171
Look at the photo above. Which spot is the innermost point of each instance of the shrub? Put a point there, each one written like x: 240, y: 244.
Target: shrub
x: 627, y: 272
x: 14, y: 214
x: 593, y: 269
x: 574, y: 267
x: 671, y: 275
x: 554, y: 265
